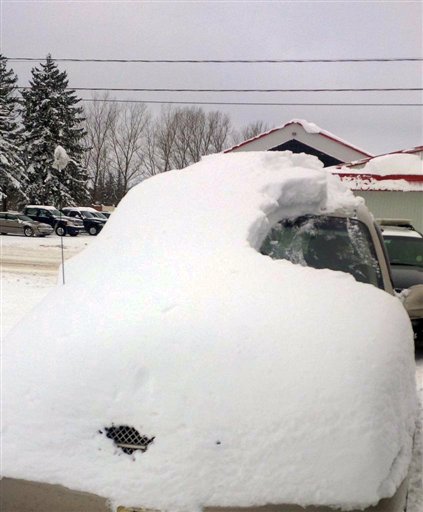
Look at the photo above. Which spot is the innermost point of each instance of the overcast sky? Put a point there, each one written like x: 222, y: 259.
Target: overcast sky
x: 239, y: 30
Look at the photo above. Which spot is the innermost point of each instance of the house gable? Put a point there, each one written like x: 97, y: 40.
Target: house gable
x: 298, y: 147
x: 302, y: 136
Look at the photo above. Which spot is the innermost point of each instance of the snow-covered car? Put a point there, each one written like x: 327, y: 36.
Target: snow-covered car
x: 93, y: 224
x: 212, y: 376
x: 61, y: 224
x: 15, y: 223
x: 405, y: 249
x: 97, y: 213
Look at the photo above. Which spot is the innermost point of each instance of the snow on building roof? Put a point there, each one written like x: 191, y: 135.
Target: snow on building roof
x: 397, y: 171
x: 311, y: 128
x: 212, y: 349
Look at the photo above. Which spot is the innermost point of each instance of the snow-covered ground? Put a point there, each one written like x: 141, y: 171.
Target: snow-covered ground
x: 29, y: 269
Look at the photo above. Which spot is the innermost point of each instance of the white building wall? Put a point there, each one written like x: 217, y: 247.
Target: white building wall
x: 395, y: 205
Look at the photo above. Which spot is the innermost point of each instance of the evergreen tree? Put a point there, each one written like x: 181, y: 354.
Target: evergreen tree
x: 13, y: 179
x: 51, y: 117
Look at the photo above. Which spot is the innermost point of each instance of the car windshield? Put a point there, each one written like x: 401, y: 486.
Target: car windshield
x: 24, y: 218
x: 335, y: 243
x: 100, y: 215
x: 87, y: 215
x: 404, y: 250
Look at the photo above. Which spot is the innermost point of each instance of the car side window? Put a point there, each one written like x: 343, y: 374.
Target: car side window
x: 31, y: 211
x: 2, y: 215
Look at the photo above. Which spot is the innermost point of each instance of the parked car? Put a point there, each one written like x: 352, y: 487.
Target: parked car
x: 93, y: 224
x: 100, y: 215
x: 61, y: 224
x: 210, y: 375
x: 405, y: 250
x: 15, y: 223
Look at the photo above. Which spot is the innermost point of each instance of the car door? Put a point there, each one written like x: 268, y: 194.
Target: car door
x: 3, y: 223
x: 45, y: 216
x: 32, y: 213
x: 13, y: 225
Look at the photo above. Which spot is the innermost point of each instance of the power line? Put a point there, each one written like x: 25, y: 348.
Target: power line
x: 220, y: 61
x: 145, y: 89
x: 256, y: 103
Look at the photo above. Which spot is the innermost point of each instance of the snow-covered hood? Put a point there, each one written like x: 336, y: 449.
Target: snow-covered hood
x: 261, y: 381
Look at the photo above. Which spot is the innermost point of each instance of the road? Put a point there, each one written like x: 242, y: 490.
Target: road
x: 29, y: 255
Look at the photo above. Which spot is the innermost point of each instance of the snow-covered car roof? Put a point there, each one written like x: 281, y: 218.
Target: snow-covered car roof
x: 80, y: 209
x: 400, y: 231
x: 253, y: 380
x: 41, y: 206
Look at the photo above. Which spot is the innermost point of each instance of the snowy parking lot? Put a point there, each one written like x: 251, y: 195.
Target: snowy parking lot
x: 30, y: 270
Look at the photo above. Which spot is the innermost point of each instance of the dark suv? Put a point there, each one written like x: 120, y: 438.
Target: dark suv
x: 92, y: 223
x: 61, y: 224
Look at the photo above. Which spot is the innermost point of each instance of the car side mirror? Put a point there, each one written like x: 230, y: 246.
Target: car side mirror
x: 413, y: 301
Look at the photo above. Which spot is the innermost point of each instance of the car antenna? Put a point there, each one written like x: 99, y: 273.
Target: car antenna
x: 61, y: 160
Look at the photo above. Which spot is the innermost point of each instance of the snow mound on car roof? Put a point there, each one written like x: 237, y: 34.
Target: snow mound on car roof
x: 260, y: 381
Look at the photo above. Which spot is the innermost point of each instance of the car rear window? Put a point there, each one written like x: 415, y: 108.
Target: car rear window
x: 335, y: 243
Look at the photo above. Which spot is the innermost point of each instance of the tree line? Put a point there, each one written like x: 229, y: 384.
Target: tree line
x: 112, y: 146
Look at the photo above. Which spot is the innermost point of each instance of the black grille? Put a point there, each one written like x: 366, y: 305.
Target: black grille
x: 128, y: 438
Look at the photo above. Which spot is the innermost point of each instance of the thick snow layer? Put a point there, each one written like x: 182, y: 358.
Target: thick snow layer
x: 308, y: 127
x: 262, y: 381
x: 61, y: 158
x: 396, y: 163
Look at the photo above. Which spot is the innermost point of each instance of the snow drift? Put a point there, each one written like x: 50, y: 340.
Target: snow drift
x: 260, y: 381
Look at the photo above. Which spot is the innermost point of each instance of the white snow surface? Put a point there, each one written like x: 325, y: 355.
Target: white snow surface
x: 262, y: 381
x: 61, y: 158
x: 395, y: 163
x: 308, y: 127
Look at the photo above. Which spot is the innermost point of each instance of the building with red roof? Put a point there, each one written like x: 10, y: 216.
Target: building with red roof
x: 300, y: 136
x: 391, y: 184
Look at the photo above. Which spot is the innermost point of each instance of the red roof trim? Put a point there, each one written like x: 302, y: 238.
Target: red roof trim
x: 345, y: 144
x: 257, y: 137
x: 407, y: 177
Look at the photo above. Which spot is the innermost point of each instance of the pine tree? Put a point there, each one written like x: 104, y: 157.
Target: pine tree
x: 13, y: 179
x: 51, y: 117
